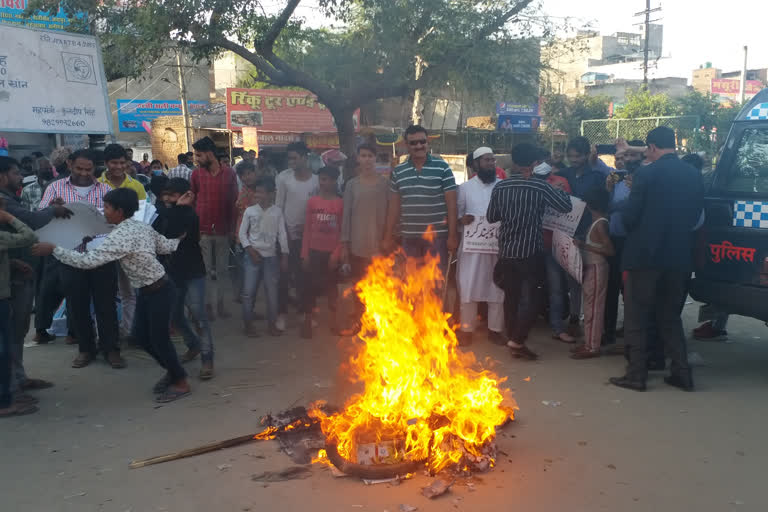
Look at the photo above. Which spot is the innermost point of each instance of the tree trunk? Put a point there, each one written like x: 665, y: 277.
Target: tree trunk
x: 418, y: 109
x: 345, y: 127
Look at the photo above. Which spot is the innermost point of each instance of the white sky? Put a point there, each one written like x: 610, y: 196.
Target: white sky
x: 695, y: 31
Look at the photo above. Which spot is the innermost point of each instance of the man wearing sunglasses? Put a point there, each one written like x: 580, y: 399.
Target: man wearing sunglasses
x: 423, y: 200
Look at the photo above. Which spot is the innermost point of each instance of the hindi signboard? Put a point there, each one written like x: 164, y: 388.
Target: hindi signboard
x: 12, y: 13
x: 279, y: 111
x: 729, y: 88
x: 481, y: 236
x: 134, y: 115
x: 52, y: 82
x: 567, y: 254
x: 565, y: 222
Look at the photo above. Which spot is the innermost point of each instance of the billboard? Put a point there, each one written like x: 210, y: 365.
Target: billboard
x: 52, y: 82
x: 276, y: 110
x: 518, y: 124
x: 520, y: 109
x: 12, y: 12
x: 729, y: 88
x: 137, y: 115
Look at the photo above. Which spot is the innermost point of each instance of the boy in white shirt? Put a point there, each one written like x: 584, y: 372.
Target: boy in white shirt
x: 262, y: 228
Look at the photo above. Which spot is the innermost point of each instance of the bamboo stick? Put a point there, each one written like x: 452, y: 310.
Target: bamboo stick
x: 191, y: 452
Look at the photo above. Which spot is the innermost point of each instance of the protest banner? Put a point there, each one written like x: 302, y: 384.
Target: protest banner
x: 481, y: 236
x: 567, y: 254
x: 565, y: 222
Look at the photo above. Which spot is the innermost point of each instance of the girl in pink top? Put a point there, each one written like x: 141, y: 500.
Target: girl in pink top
x: 320, y: 247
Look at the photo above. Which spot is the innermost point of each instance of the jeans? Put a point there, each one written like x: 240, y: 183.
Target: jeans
x: 266, y: 271
x: 22, y: 297
x: 519, y: 278
x: 294, y: 276
x: 152, y: 328
x: 216, y: 258
x: 127, y: 302
x: 192, y: 293
x: 322, y: 280
x: 654, y: 296
x: 6, y: 334
x: 419, y: 248
x: 99, y: 285
x: 50, y: 293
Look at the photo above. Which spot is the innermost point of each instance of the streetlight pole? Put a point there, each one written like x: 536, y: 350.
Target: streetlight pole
x: 183, y: 93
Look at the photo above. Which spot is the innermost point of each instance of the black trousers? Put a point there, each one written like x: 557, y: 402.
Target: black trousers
x: 50, y: 292
x: 100, y: 286
x: 653, y: 298
x: 321, y: 280
x: 151, y: 328
x: 294, y: 276
x: 520, y: 279
x: 615, y: 286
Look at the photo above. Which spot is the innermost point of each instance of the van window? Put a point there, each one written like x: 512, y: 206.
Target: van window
x: 750, y: 169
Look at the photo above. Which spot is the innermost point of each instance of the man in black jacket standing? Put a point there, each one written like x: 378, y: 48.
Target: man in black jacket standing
x: 664, y: 206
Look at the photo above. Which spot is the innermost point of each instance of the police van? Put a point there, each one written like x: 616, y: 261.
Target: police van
x: 731, y: 255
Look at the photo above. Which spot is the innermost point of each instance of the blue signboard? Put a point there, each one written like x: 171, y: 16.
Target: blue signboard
x: 12, y: 12
x: 517, y: 109
x: 518, y: 123
x: 137, y: 115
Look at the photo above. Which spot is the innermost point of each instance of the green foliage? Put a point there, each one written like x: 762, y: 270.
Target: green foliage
x: 563, y: 114
x: 644, y: 104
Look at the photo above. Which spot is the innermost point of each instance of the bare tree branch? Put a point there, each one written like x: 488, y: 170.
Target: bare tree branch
x: 502, y: 19
x: 266, y: 44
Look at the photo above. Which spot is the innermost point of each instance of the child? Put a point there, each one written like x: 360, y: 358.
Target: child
x: 322, y: 232
x: 8, y: 240
x: 187, y: 270
x: 248, y: 174
x: 594, y: 249
x: 136, y: 246
x: 263, y: 226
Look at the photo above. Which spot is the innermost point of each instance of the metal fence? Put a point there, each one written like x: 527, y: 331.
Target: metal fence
x: 606, y: 131
x: 455, y: 142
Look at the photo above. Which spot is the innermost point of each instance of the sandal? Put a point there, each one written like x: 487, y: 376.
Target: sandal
x: 189, y: 355
x: 18, y: 410
x: 115, y: 360
x: 206, y: 371
x: 162, y: 385
x: 25, y: 399
x: 82, y: 360
x: 564, y: 337
x: 585, y: 354
x: 35, y: 384
x: 523, y: 353
x: 171, y: 394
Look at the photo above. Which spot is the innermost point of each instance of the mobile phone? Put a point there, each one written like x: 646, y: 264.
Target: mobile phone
x: 606, y: 149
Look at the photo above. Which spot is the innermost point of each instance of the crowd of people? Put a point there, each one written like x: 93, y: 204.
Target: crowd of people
x: 298, y: 232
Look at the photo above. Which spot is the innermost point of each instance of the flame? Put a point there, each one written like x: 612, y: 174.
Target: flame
x: 419, y: 389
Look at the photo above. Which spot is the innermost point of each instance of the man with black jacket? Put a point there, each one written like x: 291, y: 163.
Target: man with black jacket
x: 663, y: 207
x: 186, y: 267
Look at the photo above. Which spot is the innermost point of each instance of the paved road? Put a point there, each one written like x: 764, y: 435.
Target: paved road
x: 603, y: 448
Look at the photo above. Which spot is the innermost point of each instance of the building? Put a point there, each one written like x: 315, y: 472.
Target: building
x: 565, y: 62
x: 726, y: 85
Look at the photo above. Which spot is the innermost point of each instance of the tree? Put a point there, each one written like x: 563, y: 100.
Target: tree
x: 715, y: 119
x: 384, y: 48
x: 563, y: 114
x: 644, y: 104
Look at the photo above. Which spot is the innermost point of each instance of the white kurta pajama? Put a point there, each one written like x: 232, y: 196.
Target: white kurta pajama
x: 475, y: 270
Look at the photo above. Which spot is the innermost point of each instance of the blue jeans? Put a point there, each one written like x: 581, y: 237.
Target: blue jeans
x: 267, y: 270
x: 418, y: 248
x: 192, y: 293
x: 6, y: 336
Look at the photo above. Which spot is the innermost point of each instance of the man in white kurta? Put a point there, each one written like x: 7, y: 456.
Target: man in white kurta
x: 475, y: 269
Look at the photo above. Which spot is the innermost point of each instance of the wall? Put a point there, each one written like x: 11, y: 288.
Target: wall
x: 702, y: 79
x: 168, y: 139
x: 22, y: 144
x: 618, y: 90
x: 228, y: 70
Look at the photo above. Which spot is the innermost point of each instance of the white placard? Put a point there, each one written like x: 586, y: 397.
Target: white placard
x: 86, y: 220
x: 52, y: 82
x: 482, y: 237
x: 567, y: 254
x: 565, y: 222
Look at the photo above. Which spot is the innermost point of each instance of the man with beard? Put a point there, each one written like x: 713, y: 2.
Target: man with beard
x: 215, y: 188
x: 98, y: 285
x: 22, y: 270
x: 475, y: 269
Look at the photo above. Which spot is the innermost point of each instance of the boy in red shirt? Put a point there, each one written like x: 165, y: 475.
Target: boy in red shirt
x: 320, y: 247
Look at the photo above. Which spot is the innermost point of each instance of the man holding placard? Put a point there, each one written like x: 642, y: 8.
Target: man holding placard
x: 479, y: 251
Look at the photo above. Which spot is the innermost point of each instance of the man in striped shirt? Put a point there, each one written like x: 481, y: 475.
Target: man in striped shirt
x: 519, y: 203
x: 83, y: 286
x: 182, y: 170
x: 423, y: 198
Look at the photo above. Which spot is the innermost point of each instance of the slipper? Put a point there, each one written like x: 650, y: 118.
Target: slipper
x: 82, y: 360
x: 523, y: 352
x: 189, y: 355
x: 25, y: 399
x: 564, y: 337
x: 33, y: 384
x: 115, y: 360
x: 169, y: 395
x: 162, y: 385
x: 19, y: 410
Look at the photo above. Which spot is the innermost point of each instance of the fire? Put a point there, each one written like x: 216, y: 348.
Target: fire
x: 431, y: 401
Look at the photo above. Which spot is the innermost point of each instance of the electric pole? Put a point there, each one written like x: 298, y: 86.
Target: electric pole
x: 743, y: 81
x: 647, y: 23
x: 183, y: 93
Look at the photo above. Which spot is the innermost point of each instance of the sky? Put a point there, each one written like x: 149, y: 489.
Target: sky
x: 695, y: 31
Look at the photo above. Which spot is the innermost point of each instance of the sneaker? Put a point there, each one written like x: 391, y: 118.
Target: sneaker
x: 280, y: 323
x: 706, y: 332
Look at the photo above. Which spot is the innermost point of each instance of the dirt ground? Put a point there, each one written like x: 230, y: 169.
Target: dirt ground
x: 601, y: 448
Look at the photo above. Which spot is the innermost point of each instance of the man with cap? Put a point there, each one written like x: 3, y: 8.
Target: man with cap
x: 475, y: 269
